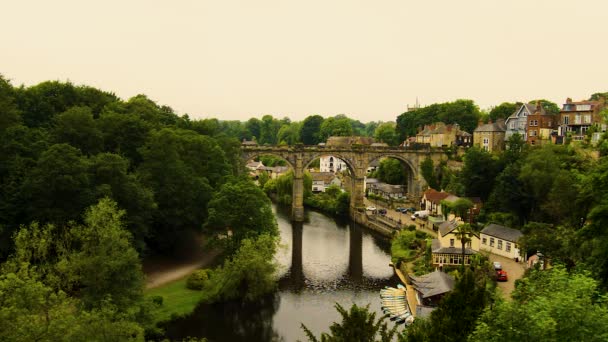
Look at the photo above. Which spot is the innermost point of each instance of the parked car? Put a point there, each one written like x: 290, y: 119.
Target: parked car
x: 400, y: 209
x: 497, y: 266
x: 411, y: 209
x: 371, y: 208
x: 501, y: 275
x: 382, y: 212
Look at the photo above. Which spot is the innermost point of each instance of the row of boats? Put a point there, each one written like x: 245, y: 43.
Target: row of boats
x: 394, y: 304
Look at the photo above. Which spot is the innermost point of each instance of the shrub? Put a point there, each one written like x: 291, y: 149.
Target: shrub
x: 198, y: 280
x: 158, y: 300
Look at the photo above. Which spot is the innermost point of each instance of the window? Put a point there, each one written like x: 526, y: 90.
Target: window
x: 583, y: 107
x: 512, y: 125
x: 468, y: 245
x: 577, y: 119
x: 499, y: 244
x: 584, y: 129
x: 484, y: 241
x: 508, y: 247
x: 566, y: 120
x: 587, y: 119
x: 533, y: 133
x: 533, y: 122
x: 451, y: 242
x: 491, y: 242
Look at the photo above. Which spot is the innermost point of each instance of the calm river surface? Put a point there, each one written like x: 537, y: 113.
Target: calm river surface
x: 322, y: 262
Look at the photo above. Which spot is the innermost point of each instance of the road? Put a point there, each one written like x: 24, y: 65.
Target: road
x: 396, y: 216
x: 514, y: 271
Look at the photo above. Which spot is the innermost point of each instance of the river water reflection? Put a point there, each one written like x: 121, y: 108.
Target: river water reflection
x: 322, y: 262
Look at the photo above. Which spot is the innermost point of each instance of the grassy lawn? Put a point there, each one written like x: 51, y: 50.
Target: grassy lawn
x: 177, y: 299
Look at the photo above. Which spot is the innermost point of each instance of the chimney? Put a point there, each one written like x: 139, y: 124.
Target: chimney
x: 539, y: 107
x: 480, y: 122
x: 569, y: 100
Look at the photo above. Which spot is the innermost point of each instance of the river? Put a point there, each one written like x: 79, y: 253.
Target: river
x: 322, y: 262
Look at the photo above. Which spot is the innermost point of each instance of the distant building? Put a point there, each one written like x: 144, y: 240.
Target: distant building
x: 501, y: 240
x: 517, y: 122
x: 439, y: 134
x: 576, y: 118
x: 539, y: 126
x: 491, y: 136
x: 322, y: 180
x: 331, y: 164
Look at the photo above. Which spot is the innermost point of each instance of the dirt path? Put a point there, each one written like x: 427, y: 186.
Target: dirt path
x: 160, y: 270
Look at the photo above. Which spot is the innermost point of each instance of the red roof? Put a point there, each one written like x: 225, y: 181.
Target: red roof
x: 435, y: 196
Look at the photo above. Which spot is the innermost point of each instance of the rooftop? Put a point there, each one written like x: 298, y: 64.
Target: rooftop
x: 433, y: 284
x: 502, y: 232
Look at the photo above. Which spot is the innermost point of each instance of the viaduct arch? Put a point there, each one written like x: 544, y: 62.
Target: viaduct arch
x: 356, y: 157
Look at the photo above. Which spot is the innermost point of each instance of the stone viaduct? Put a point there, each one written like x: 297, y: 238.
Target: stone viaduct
x: 357, y: 157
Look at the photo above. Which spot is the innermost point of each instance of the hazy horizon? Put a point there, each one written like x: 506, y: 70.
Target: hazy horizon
x: 234, y: 60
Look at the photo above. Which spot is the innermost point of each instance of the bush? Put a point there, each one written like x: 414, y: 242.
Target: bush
x: 198, y: 280
x: 158, y: 300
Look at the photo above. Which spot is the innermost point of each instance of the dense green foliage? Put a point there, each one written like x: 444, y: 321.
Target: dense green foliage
x: 198, y: 279
x: 548, y: 305
x: 391, y: 171
x: 247, y: 275
x: 358, y: 324
x: 333, y: 201
x: 463, y: 112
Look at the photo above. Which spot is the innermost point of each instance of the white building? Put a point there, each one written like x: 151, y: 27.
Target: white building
x: 501, y: 240
x: 331, y: 164
x: 323, y: 180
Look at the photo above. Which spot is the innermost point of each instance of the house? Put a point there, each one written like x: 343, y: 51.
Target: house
x: 431, y: 201
x: 369, y: 184
x: 277, y: 171
x: 323, y: 180
x: 446, y: 249
x: 501, y: 240
x: 490, y: 136
x: 517, y: 122
x: 539, y: 126
x: 576, y: 118
x: 439, y: 134
x: 430, y: 288
x: 387, y: 191
x: 331, y: 164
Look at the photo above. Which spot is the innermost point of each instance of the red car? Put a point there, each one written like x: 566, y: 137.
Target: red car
x: 501, y: 275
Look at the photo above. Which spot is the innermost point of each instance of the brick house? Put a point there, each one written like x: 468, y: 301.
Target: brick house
x: 539, y: 126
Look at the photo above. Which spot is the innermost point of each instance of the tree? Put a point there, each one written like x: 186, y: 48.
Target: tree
x: 241, y: 208
x: 456, y: 316
x: 10, y: 115
x: 464, y: 233
x: 427, y: 169
x: 550, y: 305
x: 390, y: 171
x: 386, y: 133
x: 310, y: 130
x: 289, y: 134
x: 269, y: 129
x: 549, y: 106
x: 478, y: 173
x: 77, y: 127
x: 248, y: 275
x: 58, y: 188
x: 338, y: 125
x: 111, y: 179
x: 503, y: 110
x: 358, y: 324
x: 181, y: 167
x: 254, y: 126
x: 124, y: 134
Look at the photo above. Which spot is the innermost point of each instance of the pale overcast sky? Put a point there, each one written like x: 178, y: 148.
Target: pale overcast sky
x: 367, y: 59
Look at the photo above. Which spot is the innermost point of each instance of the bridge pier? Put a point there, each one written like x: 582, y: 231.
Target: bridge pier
x: 297, y: 203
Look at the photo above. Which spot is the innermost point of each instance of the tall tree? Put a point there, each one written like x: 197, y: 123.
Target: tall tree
x: 77, y: 127
x: 386, y: 133
x: 310, y: 130
x: 338, y: 125
x: 478, y: 173
x: 242, y: 208
x: 503, y: 110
